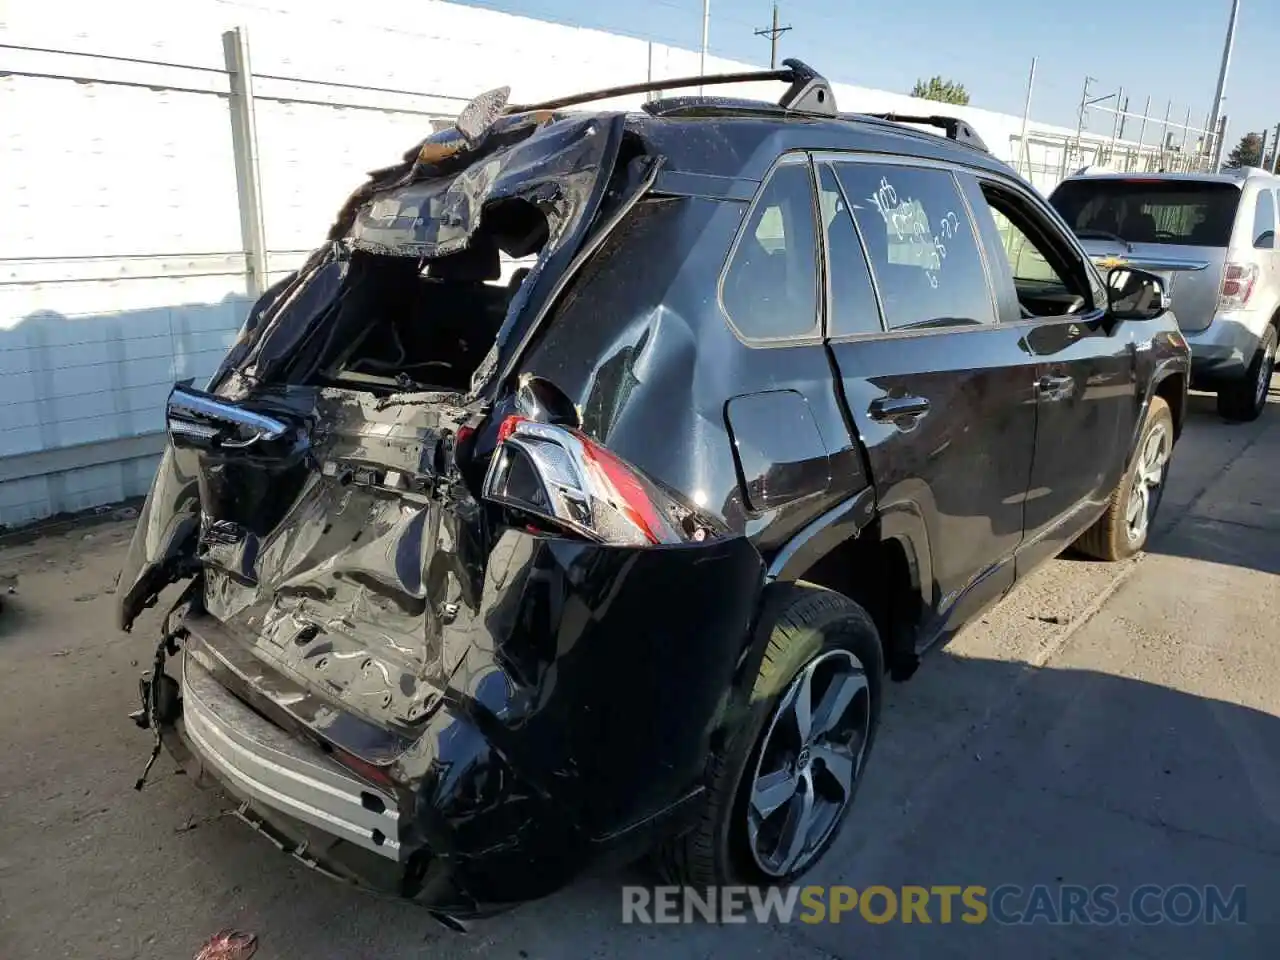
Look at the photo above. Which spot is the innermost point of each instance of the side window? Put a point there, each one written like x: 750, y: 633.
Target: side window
x: 1026, y: 262
x: 1047, y: 282
x: 1264, y: 221
x: 923, y: 249
x: 853, y: 301
x: 771, y: 287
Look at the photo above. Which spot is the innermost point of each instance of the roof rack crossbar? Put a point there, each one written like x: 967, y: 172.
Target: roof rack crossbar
x: 808, y: 92
x: 955, y: 128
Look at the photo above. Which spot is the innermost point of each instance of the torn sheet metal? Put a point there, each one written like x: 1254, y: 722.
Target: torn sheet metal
x: 433, y: 206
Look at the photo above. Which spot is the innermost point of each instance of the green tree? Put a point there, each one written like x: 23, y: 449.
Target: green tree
x: 936, y: 88
x: 1246, y: 153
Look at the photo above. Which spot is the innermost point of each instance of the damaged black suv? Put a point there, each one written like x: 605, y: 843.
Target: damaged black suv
x: 576, y: 496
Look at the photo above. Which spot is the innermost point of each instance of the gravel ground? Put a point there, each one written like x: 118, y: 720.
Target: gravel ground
x: 1105, y: 724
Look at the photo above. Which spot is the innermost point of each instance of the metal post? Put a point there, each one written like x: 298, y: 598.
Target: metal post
x: 1186, y: 129
x: 1222, y: 76
x: 1142, y: 130
x: 1142, y: 133
x: 1026, y: 118
x: 1164, y: 136
x: 1115, y: 128
x: 1084, y: 98
x: 706, y: 33
x: 1275, y: 150
x: 244, y: 144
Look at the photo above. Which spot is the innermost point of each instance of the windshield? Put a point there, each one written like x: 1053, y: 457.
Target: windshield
x: 1198, y: 214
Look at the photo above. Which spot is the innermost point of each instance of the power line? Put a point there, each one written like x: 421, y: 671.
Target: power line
x: 773, y: 33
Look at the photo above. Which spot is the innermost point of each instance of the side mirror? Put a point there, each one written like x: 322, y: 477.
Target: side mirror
x: 1135, y: 294
x: 1266, y: 240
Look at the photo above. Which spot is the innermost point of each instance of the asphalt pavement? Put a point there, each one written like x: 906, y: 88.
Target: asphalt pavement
x: 1106, y: 724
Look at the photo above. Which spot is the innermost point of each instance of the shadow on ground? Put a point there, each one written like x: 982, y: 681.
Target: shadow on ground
x: 1079, y: 778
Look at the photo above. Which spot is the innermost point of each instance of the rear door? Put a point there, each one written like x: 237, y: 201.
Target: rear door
x: 1179, y: 229
x: 1085, y: 374
x: 941, y: 394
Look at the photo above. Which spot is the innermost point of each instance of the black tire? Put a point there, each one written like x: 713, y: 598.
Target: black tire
x: 1109, y: 538
x: 807, y: 622
x: 1244, y: 400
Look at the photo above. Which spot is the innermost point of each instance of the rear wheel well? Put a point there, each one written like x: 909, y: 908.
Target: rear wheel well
x: 876, y: 574
x: 1173, y: 390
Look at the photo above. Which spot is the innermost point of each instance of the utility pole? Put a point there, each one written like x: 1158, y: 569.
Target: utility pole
x: 1084, y: 100
x: 1025, y: 151
x: 773, y: 33
x: 1222, y: 79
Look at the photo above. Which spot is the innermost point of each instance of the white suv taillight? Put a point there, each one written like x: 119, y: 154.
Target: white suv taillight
x: 558, y: 474
x: 1238, y: 281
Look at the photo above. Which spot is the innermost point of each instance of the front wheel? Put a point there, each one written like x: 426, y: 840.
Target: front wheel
x: 1123, y: 529
x: 785, y: 780
x: 1244, y: 400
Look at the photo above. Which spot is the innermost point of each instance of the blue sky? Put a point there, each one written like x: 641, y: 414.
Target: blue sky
x: 1165, y: 49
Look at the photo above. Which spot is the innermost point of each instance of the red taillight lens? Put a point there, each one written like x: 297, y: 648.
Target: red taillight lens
x: 561, y: 475
x: 508, y: 426
x: 1238, y: 281
x: 631, y: 498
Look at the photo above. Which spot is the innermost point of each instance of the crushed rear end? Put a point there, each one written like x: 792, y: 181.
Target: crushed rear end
x: 436, y: 638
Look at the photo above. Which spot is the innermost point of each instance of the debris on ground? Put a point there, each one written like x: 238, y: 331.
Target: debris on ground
x: 194, y: 822
x: 229, y: 945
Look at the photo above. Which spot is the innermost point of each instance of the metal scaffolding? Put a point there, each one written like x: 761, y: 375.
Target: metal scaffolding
x: 1135, y: 141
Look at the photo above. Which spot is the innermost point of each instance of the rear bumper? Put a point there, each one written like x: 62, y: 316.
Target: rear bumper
x: 575, y: 733
x: 261, y: 763
x: 1224, y: 349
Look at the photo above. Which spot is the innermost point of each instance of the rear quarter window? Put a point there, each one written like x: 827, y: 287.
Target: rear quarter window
x: 770, y: 290
x: 1264, y: 220
x: 1187, y: 213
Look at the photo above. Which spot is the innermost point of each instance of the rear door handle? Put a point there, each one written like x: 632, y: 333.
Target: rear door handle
x: 892, y: 408
x: 1055, y: 388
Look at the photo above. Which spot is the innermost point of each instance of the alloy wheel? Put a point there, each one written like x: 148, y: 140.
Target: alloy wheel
x: 809, y: 763
x: 1265, y: 370
x: 1148, y: 478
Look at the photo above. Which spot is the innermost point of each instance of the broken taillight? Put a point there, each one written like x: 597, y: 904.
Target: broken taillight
x: 558, y: 474
x: 1238, y: 280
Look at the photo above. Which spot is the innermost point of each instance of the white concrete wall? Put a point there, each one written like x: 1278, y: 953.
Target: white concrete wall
x: 121, y: 258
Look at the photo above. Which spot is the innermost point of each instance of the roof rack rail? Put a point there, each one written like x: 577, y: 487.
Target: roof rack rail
x: 955, y: 128
x: 808, y: 91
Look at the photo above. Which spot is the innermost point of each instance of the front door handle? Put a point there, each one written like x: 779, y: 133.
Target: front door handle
x: 1055, y: 388
x: 893, y: 408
